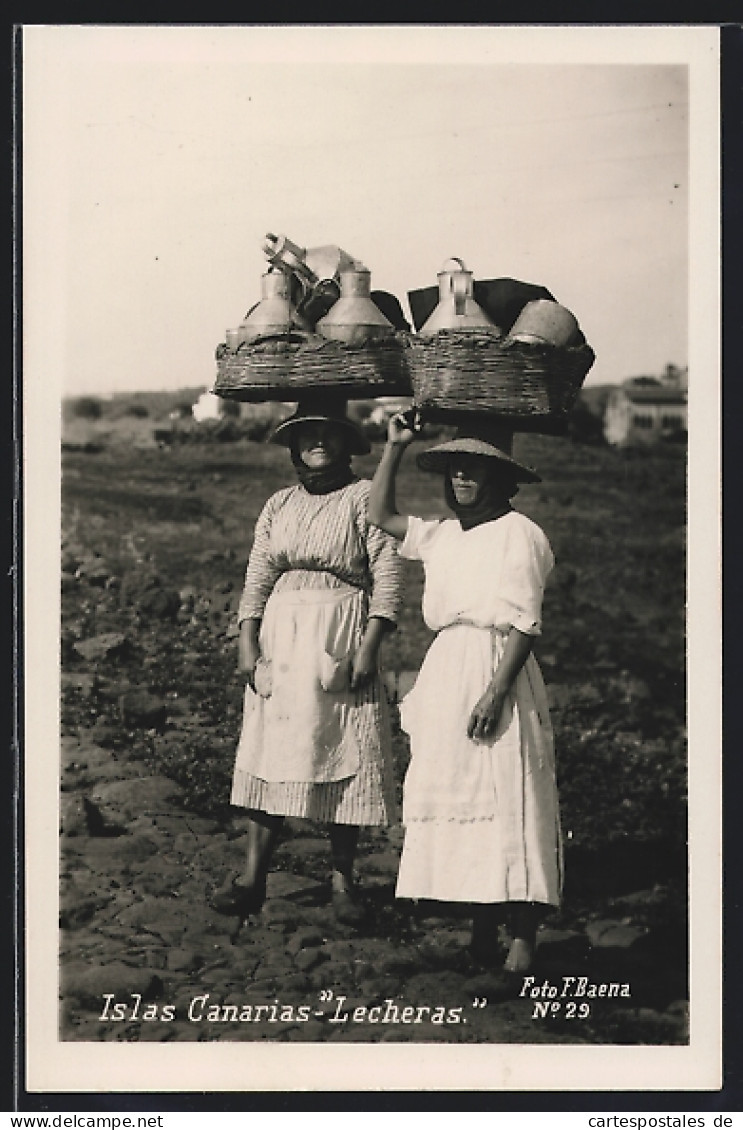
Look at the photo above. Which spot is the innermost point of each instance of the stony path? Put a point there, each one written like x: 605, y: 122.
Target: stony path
x: 143, y: 957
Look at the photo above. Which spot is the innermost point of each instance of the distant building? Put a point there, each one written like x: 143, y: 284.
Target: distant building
x: 644, y: 410
x: 207, y: 407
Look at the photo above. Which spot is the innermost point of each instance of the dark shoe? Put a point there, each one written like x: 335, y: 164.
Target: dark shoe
x: 347, y: 908
x: 238, y: 901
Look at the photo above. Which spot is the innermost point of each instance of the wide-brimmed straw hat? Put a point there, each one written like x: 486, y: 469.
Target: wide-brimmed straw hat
x: 470, y: 441
x: 324, y: 407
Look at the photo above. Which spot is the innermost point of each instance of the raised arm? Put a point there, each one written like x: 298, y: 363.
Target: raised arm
x: 383, y: 510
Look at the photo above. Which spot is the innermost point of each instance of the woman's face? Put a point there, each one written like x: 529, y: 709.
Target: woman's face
x: 320, y: 443
x: 468, y: 475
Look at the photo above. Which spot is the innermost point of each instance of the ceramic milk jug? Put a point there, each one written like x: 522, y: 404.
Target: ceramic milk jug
x: 457, y: 309
x: 545, y: 323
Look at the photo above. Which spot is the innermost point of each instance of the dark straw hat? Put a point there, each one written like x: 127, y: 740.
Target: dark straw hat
x: 323, y: 407
x: 477, y: 440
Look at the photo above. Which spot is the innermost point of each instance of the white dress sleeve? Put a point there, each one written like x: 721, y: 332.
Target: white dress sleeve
x: 419, y: 537
x: 529, y: 561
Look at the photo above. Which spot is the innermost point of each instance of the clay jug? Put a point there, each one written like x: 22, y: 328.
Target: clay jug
x: 545, y: 323
x: 355, y: 318
x: 457, y: 309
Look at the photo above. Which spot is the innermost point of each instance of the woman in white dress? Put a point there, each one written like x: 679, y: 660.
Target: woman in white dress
x: 480, y: 804
x: 322, y: 588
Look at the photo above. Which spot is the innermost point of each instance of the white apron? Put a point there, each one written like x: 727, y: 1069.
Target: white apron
x: 482, y: 821
x: 298, y: 728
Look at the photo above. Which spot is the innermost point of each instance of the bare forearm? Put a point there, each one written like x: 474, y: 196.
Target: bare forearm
x: 483, y: 720
x: 516, y: 652
x: 383, y: 510
x: 248, y: 645
x: 376, y: 629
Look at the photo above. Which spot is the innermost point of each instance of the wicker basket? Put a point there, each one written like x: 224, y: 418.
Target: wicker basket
x: 534, y: 387
x: 283, y: 367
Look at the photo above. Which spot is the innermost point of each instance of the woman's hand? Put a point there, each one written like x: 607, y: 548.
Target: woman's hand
x: 483, y: 720
x: 403, y: 428
x: 363, y: 666
x: 248, y: 651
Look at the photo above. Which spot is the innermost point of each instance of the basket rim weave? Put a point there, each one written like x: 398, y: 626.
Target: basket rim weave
x: 277, y: 367
x: 481, y: 372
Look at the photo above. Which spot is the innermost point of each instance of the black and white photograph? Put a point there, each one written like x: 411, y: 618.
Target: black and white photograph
x: 371, y: 399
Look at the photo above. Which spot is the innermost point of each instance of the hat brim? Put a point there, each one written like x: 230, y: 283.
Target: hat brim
x: 358, y: 444
x: 436, y: 459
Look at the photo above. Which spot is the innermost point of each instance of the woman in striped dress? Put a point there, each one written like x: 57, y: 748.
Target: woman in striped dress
x: 322, y: 588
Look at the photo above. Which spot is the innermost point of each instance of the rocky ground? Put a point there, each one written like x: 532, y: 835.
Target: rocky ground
x: 144, y: 958
x: 150, y: 715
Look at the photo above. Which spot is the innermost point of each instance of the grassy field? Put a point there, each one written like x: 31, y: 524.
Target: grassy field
x: 179, y: 521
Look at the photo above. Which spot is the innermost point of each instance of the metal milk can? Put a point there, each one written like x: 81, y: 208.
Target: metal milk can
x: 355, y: 318
x: 274, y: 314
x: 457, y: 309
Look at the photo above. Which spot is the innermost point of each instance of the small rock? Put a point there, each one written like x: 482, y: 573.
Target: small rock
x: 275, y: 965
x: 375, y: 988
x: 341, y: 950
x: 91, y: 984
x: 179, y: 708
x: 137, y: 796
x: 73, y: 821
x: 382, y: 862
x: 78, y: 907
x: 279, y: 912
x: 399, y: 965
x: 440, y: 950
x: 143, y: 710
x: 149, y: 596
x: 183, y: 960
x: 97, y: 823
x: 167, y: 918
x: 103, y: 732
x: 188, y: 597
x: 309, y: 958
x: 104, y: 646
x: 285, y: 885
x: 605, y: 932
x: 94, y: 570
x: 303, y: 938
x: 210, y: 557
x: 72, y: 557
x: 101, y: 853
x: 161, y: 604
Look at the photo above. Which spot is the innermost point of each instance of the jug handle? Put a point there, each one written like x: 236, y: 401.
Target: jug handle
x: 459, y: 290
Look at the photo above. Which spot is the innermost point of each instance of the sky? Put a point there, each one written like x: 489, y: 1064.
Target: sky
x: 155, y: 160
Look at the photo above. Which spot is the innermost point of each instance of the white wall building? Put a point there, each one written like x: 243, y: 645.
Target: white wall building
x: 644, y: 410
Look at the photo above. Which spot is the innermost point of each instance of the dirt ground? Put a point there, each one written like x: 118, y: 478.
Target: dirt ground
x: 154, y: 548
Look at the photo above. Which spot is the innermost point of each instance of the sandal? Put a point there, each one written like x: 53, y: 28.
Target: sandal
x: 239, y: 901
